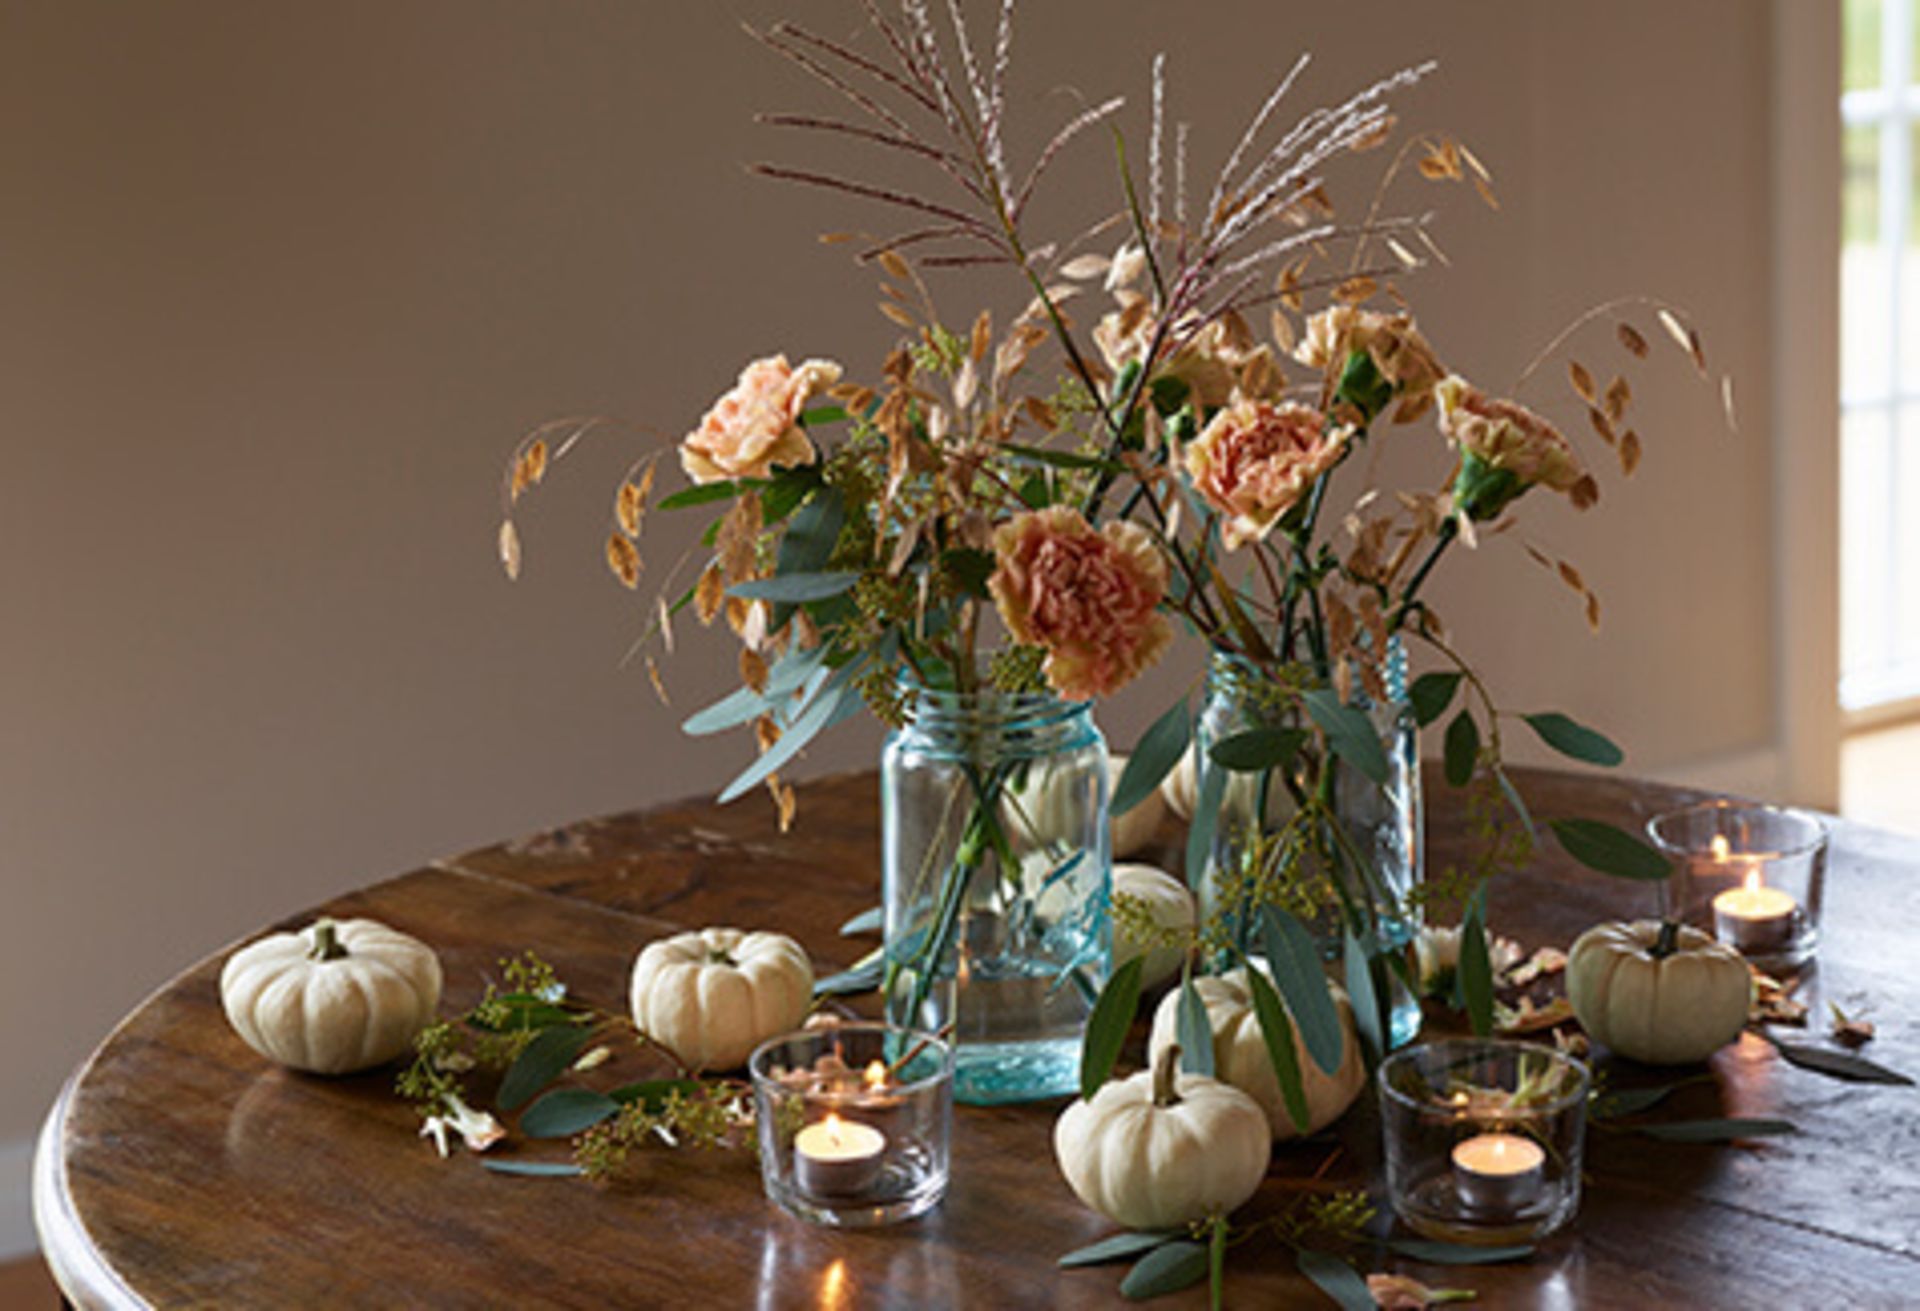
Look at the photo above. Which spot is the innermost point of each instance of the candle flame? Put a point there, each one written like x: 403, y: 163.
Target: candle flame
x: 876, y: 1074
x: 832, y: 1125
x: 1753, y: 880
x: 1721, y: 849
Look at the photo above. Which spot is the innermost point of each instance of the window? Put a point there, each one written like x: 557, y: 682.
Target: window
x: 1880, y: 355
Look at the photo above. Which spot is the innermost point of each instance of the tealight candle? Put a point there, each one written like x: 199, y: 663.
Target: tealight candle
x: 1755, y: 917
x: 1498, y: 1173
x: 838, y: 1158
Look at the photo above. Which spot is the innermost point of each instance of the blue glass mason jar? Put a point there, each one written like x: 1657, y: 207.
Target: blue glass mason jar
x: 996, y: 868
x: 1382, y: 825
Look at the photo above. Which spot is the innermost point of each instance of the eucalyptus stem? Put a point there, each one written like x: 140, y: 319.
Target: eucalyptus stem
x: 1441, y: 541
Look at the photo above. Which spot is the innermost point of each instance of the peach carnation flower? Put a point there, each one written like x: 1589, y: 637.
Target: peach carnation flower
x: 1254, y: 461
x: 1501, y: 436
x: 756, y: 425
x: 1400, y: 354
x: 1088, y: 597
x: 1212, y: 360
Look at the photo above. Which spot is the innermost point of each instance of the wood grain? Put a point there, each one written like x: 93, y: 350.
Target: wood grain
x: 180, y: 1170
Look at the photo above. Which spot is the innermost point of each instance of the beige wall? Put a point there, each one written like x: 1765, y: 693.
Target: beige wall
x: 280, y: 284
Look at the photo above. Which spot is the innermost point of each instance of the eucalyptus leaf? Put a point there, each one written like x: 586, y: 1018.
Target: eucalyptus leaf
x: 704, y: 494
x: 1159, y: 750
x: 969, y: 568
x: 534, y: 1169
x: 1622, y: 1102
x: 1206, y: 817
x: 541, y: 1062
x: 1610, y: 850
x: 1716, y: 1131
x: 1839, y: 1065
x: 863, y: 977
x: 526, y: 1011
x: 1573, y: 739
x: 1336, y: 1279
x: 1520, y: 811
x: 1277, y: 1032
x: 1062, y: 459
x: 1193, y: 1029
x: 785, y: 492
x: 741, y: 706
x: 1166, y: 1269
x: 1461, y: 749
x: 1119, y: 1246
x: 1368, y: 1012
x: 1431, y: 694
x: 807, y: 546
x: 565, y: 1112
x: 1107, y: 1026
x: 867, y: 921
x: 822, y: 414
x: 1258, y: 749
x: 801, y: 732
x: 1295, y: 962
x: 1433, y: 1253
x: 1349, y: 732
x: 794, y: 588
x: 1476, y: 966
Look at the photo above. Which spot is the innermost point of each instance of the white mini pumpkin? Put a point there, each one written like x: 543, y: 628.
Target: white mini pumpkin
x: 1240, y: 1053
x: 1046, y: 812
x: 1133, y: 831
x: 1665, y: 1003
x: 1171, y: 907
x: 713, y: 995
x: 1162, y: 1149
x: 334, y: 998
x: 1179, y: 787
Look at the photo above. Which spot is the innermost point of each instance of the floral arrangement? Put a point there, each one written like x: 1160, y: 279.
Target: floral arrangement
x: 1039, y: 505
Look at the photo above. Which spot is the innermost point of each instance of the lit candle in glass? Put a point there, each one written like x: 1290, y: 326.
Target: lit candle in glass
x: 1498, y: 1173
x: 838, y: 1158
x: 1754, y: 917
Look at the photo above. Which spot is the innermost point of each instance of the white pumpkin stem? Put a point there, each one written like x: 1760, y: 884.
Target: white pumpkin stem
x: 1165, y: 1070
x: 715, y: 956
x: 1668, y: 942
x: 326, y: 942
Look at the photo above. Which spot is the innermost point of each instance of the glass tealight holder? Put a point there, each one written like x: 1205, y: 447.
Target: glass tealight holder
x: 1753, y: 876
x: 1483, y: 1139
x: 855, y: 1122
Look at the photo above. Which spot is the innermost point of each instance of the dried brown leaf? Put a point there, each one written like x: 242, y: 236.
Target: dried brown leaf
x: 510, y: 548
x: 1582, y: 381
x: 1619, y: 396
x: 1593, y: 612
x: 709, y: 593
x: 1356, y: 289
x: 1082, y: 267
x: 628, y: 504
x: 624, y: 559
x: 1571, y: 577
x: 1584, y: 493
x: 981, y: 339
x: 1603, y: 425
x: 898, y: 315
x: 753, y: 668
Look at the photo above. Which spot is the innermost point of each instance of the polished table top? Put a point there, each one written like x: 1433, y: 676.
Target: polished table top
x: 178, y: 1169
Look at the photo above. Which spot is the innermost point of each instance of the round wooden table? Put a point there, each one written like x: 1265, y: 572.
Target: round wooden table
x: 179, y: 1169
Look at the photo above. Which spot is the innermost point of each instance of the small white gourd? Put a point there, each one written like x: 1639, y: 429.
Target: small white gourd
x: 713, y: 995
x: 1663, y: 994
x: 1240, y: 1052
x: 1162, y: 1149
x: 336, y: 997
x: 1133, y: 831
x: 1171, y: 907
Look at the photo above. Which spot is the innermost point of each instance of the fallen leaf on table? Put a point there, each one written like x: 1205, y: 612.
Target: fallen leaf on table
x: 1547, y: 960
x: 1400, y: 1293
x: 1529, y: 1018
x: 1850, y: 1031
x: 1573, y: 1042
x: 1772, y: 1004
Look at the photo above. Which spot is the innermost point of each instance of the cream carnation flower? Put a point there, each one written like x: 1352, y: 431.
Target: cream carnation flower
x: 1399, y: 353
x: 756, y: 425
x: 1505, y: 448
x: 1088, y: 597
x: 1255, y: 460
